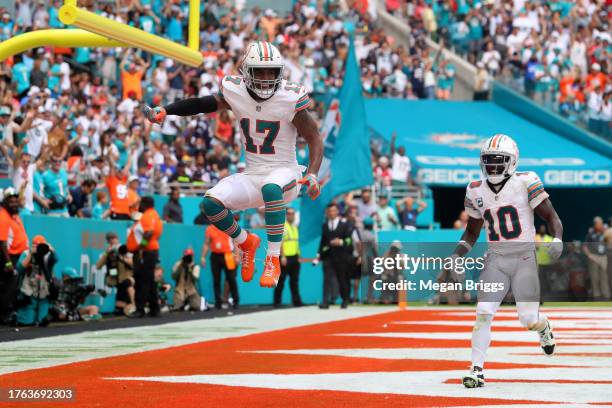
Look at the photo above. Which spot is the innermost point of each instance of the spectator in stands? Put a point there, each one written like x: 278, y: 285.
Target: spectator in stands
x: 58, y: 137
x: 224, y: 129
x: 595, y: 250
x: 8, y: 28
x: 116, y: 183
x: 131, y: 77
x: 23, y: 178
x: 408, y: 214
x: 400, y: 167
x: 13, y: 242
x: 366, y: 207
x: 55, y: 187
x: 173, y: 211
x: 491, y: 59
x: 118, y: 265
x: 482, y: 83
x: 80, y: 206
x: 186, y: 275
x: 181, y: 176
x: 10, y: 128
x: 385, y: 215
x: 382, y: 172
x: 595, y: 109
x: 100, y: 210
x: 21, y: 74
x: 223, y: 258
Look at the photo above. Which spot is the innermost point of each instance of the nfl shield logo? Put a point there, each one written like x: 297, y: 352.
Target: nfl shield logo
x: 479, y: 201
x: 258, y: 108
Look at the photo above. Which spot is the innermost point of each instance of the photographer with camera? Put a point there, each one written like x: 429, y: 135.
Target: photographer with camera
x: 35, y: 269
x: 162, y: 288
x: 118, y: 263
x: 70, y: 298
x: 13, y: 242
x: 186, y: 274
x: 55, y: 188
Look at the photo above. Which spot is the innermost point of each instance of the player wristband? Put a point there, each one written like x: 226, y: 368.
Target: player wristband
x: 465, y: 244
x: 9, y: 264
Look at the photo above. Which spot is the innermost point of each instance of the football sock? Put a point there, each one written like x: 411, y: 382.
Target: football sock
x: 275, y: 216
x: 241, y: 237
x: 222, y: 218
x: 481, y: 339
x: 540, y: 326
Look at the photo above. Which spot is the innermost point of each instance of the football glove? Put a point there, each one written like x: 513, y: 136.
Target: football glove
x: 555, y: 249
x: 155, y: 115
x: 313, y: 188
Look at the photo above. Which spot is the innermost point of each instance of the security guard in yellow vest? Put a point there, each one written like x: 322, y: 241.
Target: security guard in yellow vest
x: 290, y: 261
x: 542, y: 239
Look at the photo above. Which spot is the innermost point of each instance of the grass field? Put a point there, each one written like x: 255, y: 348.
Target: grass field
x: 363, y: 356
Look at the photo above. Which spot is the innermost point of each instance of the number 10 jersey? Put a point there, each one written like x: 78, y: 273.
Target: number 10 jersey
x: 268, y: 134
x: 508, y: 214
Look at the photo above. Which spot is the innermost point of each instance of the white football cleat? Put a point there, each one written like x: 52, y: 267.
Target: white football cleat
x: 474, y: 379
x: 547, y: 340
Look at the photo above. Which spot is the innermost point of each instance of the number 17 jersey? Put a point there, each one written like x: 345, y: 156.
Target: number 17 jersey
x: 508, y: 214
x: 268, y: 134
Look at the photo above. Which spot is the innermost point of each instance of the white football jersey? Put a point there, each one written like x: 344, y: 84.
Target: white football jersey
x: 508, y: 214
x: 268, y: 134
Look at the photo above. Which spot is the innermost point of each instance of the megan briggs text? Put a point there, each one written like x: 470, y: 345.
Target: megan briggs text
x: 488, y: 287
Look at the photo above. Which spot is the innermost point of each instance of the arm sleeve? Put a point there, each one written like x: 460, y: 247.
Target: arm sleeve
x: 193, y: 106
x: 302, y: 102
x: 535, y: 190
x: 470, y: 208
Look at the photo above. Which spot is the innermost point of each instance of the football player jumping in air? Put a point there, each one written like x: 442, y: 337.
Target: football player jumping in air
x: 505, y: 202
x: 271, y: 113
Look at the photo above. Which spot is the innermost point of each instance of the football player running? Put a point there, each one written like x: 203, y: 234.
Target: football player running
x: 505, y: 202
x: 271, y: 113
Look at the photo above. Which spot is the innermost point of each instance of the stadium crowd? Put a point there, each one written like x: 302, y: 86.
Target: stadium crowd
x: 556, y: 52
x: 71, y: 120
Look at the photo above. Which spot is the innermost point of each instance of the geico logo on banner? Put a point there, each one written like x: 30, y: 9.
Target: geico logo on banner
x: 577, y: 177
x: 551, y: 177
x: 524, y: 161
x: 448, y: 176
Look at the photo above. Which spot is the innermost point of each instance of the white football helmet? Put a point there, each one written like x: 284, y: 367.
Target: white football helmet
x: 499, y: 158
x: 262, y: 55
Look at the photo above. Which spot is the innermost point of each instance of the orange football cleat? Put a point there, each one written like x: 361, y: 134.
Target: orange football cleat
x: 249, y: 247
x: 271, y: 272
